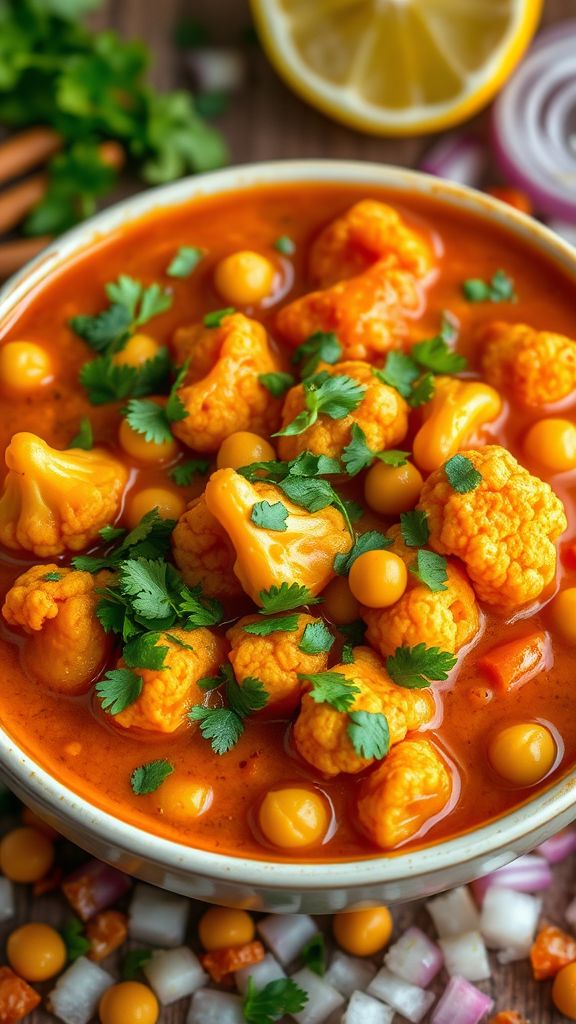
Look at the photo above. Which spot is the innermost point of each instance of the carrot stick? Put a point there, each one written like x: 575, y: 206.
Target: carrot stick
x: 21, y: 152
x: 17, y: 201
x: 16, y: 253
x: 513, y: 664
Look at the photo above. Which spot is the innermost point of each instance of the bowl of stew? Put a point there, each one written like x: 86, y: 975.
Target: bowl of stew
x: 288, y: 535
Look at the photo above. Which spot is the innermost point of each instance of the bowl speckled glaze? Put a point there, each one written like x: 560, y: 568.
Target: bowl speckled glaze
x: 263, y: 885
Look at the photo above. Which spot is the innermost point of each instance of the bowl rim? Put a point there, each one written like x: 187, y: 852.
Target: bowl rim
x: 490, y: 839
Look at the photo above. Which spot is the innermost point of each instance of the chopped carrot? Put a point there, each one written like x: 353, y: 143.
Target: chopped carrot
x: 513, y: 196
x: 106, y: 932
x: 17, y: 997
x: 508, y: 1017
x: 49, y: 883
x: 552, y: 950
x: 512, y: 664
x: 224, y: 961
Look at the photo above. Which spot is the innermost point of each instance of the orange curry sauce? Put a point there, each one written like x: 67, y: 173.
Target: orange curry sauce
x: 71, y: 737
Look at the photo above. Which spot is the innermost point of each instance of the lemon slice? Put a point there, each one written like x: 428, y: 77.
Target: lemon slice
x: 396, y: 67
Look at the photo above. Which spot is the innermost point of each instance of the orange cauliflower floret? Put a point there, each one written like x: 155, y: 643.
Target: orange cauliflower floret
x: 303, y: 553
x: 168, y: 693
x: 447, y: 618
x: 203, y: 553
x: 382, y: 415
x: 533, y: 367
x: 221, y: 391
x: 65, y: 646
x: 503, y: 530
x: 55, y: 500
x: 321, y: 732
x: 367, y: 312
x: 367, y: 232
x: 275, y: 659
x: 410, y: 787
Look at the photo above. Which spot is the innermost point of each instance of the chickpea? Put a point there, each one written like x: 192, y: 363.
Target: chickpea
x: 184, y: 799
x: 552, y: 443
x: 244, y: 277
x: 137, y: 350
x: 24, y: 366
x: 378, y: 578
x: 294, y: 817
x: 564, y: 991
x: 242, y: 448
x: 36, y: 952
x: 26, y: 855
x: 135, y: 445
x: 522, y: 754
x: 391, y: 490
x: 363, y: 932
x: 562, y: 612
x: 129, y: 1002
x: 220, y: 927
x: 170, y: 504
x: 339, y: 602
x: 456, y: 411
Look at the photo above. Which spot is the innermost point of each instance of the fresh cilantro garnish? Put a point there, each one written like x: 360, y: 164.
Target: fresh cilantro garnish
x: 267, y: 1005
x: 285, y: 245
x: 414, y: 528
x: 85, y: 436
x: 183, y: 473
x: 224, y: 726
x: 215, y: 318
x: 270, y: 516
x: 285, y: 597
x: 300, y: 481
x: 314, y: 954
x: 354, y: 634
x: 149, y: 539
x: 105, y: 330
x: 148, y: 777
x: 322, y: 347
x: 132, y: 306
x: 105, y: 381
x: 369, y: 734
x: 404, y: 371
x: 400, y: 372
x: 76, y: 943
x: 357, y: 456
x: 431, y: 569
x: 372, y: 540
x: 422, y: 391
x: 113, y: 533
x: 144, y: 651
x: 185, y: 261
x: 334, y: 397
x: 264, y: 627
x: 316, y: 638
x: 276, y: 383
x: 154, y: 420
x: 52, y: 577
x: 500, y: 288
x: 416, y: 667
x: 462, y: 474
x: 331, y: 688
x: 133, y: 963
x: 436, y: 355
x: 119, y: 688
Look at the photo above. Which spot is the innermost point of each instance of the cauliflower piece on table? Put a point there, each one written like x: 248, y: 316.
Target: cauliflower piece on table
x: 503, y: 530
x: 321, y: 732
x: 65, y: 646
x: 221, y: 391
x: 275, y: 660
x: 382, y: 415
x: 168, y: 693
x: 447, y: 619
x: 534, y: 368
x: 57, y: 500
x: 203, y: 552
x: 367, y: 232
x: 411, y: 786
x: 368, y: 312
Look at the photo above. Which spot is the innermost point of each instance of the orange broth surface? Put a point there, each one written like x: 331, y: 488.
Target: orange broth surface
x: 79, y: 745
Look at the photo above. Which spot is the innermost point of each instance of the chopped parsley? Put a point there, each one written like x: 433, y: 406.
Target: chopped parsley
x: 149, y: 539
x: 357, y: 456
x: 285, y: 245
x: 314, y: 954
x: 105, y: 381
x: 52, y: 577
x: 183, y: 473
x: 372, y: 540
x: 153, y: 420
x: 75, y: 940
x: 270, y: 516
x: 414, y: 528
x: 354, y: 634
x: 268, y: 1004
x: 148, y: 777
x: 144, y: 651
x: 322, y: 347
x: 285, y: 597
x: 431, y: 569
x: 277, y: 383
x: 223, y: 726
x: 500, y: 288
x: 400, y: 372
x: 131, y: 306
x: 462, y: 475
x: 416, y: 667
x: 119, y: 688
x: 215, y: 318
x: 334, y: 397
x: 331, y: 688
x: 264, y: 627
x: 133, y: 963
x: 369, y: 734
x: 435, y: 353
x: 316, y: 638
x: 185, y: 261
x: 85, y: 436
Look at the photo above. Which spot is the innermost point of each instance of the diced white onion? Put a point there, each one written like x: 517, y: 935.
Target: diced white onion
x: 509, y: 919
x: 7, y: 907
x: 349, y: 973
x: 415, y: 958
x: 175, y: 973
x: 466, y: 955
x: 363, y: 1009
x: 217, y: 69
x: 323, y: 999
x: 262, y: 973
x: 211, y: 1007
x: 286, y: 934
x: 157, y: 917
x: 461, y: 1003
x: 76, y: 994
x: 454, y: 912
x: 410, y: 1000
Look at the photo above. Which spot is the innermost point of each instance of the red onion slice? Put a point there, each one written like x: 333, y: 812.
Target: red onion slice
x: 558, y: 847
x: 526, y: 874
x: 460, y: 158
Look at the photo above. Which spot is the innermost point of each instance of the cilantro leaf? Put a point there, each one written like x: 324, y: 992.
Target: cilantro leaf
x: 500, y: 288
x: 431, y: 569
x: 314, y: 954
x: 250, y: 696
x: 133, y: 963
x: 119, y: 688
x: 268, y: 1004
x: 462, y: 475
x: 285, y: 597
x: 357, y: 456
x: 316, y: 638
x: 372, y: 540
x: 369, y: 734
x: 132, y: 306
x: 277, y: 383
x: 105, y: 381
x: 270, y: 516
x: 334, y: 397
x: 321, y: 347
x: 285, y: 245
x: 224, y: 726
x: 144, y: 652
x: 145, y: 581
x: 75, y: 940
x: 85, y: 437
x: 331, y: 688
x: 149, y: 539
x: 422, y: 391
x: 414, y: 528
x: 148, y: 418
x: 354, y: 634
x: 148, y: 777
x: 52, y: 577
x: 436, y: 355
x: 400, y: 372
x: 264, y: 627
x: 183, y: 473
x: 416, y: 667
x: 393, y: 457
x: 185, y: 261
x: 215, y: 318
x: 104, y: 329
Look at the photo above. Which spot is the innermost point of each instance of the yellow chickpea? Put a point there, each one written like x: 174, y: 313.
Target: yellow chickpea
x: 170, y: 504
x: 220, y: 927
x: 137, y: 350
x: 391, y: 490
x: 137, y: 447
x: 378, y: 579
x: 184, y: 799
x: 564, y: 991
x: 242, y: 448
x: 522, y: 754
x: 339, y: 602
x: 363, y: 932
x: 562, y: 612
x: 129, y: 1002
x: 36, y: 952
x: 244, y: 277
x: 26, y: 855
x: 294, y: 817
x: 24, y: 366
x: 552, y: 443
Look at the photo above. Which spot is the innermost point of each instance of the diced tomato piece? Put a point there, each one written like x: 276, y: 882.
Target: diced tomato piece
x: 106, y: 932
x: 552, y: 950
x: 17, y: 998
x: 224, y: 961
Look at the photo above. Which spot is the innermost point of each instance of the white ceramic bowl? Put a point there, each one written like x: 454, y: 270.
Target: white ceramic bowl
x: 261, y: 885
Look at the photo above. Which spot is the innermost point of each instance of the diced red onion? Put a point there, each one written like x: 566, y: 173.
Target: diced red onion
x: 323, y: 999
x: 209, y: 1006
x: 415, y: 958
x: 560, y: 846
x: 7, y: 906
x: 410, y: 1000
x: 570, y: 914
x: 363, y: 1009
x: 466, y: 956
x: 454, y: 912
x: 157, y: 917
x: 174, y: 973
x: 286, y: 934
x: 75, y: 997
x: 461, y: 1003
x: 509, y: 919
x: 94, y: 887
x: 262, y: 973
x: 217, y: 69
x: 530, y: 873
x: 460, y: 158
x: 349, y: 973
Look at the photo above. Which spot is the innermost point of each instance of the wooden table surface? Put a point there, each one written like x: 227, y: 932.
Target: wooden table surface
x: 265, y: 122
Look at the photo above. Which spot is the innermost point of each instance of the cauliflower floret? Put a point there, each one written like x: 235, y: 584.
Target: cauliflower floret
x: 65, y: 646
x: 56, y: 500
x: 221, y: 392
x: 203, y: 552
x: 382, y: 415
x: 168, y: 693
x: 410, y: 787
x: 321, y: 732
x: 533, y: 367
x: 503, y: 530
x: 447, y: 619
x: 367, y: 312
x: 275, y: 660
x: 303, y: 553
x: 367, y: 232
